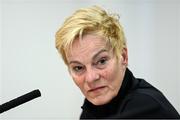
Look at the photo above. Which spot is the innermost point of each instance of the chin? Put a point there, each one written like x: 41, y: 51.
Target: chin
x: 100, y: 100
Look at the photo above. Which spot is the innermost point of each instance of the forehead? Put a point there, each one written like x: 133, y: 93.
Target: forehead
x: 89, y: 44
x: 89, y: 40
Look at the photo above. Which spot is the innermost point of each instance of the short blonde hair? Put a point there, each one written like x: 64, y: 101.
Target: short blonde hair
x: 90, y: 20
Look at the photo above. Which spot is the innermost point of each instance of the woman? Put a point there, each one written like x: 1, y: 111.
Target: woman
x: 93, y: 46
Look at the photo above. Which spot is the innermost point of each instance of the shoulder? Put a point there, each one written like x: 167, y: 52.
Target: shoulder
x: 137, y: 101
x: 144, y: 91
x: 147, y: 103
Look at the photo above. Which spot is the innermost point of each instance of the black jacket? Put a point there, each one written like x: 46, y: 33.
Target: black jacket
x: 136, y: 99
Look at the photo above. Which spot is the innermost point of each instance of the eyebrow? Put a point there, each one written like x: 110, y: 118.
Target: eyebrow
x: 99, y: 52
x: 77, y: 62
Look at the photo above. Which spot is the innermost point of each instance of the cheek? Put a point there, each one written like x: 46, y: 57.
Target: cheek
x: 112, y: 73
x: 79, y: 81
x: 108, y: 74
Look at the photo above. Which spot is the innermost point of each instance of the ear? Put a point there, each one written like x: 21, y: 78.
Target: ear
x: 124, y: 57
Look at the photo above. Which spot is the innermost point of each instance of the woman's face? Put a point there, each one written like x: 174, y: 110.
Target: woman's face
x: 95, y: 69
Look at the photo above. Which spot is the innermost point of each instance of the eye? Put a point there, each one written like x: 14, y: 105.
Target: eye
x: 102, y: 61
x: 78, y: 68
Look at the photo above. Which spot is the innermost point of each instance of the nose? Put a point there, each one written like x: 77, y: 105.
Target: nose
x: 92, y: 75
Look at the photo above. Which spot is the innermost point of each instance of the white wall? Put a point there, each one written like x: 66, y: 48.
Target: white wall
x: 0, y: 50
x: 30, y: 61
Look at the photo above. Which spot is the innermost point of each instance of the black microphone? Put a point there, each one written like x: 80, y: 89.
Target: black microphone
x: 20, y: 100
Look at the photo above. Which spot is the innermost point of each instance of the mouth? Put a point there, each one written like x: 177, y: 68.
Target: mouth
x: 97, y: 89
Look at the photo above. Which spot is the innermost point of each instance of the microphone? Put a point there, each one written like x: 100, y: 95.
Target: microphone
x: 20, y: 100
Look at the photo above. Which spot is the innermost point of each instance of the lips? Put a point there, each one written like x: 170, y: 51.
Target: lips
x: 96, y: 89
